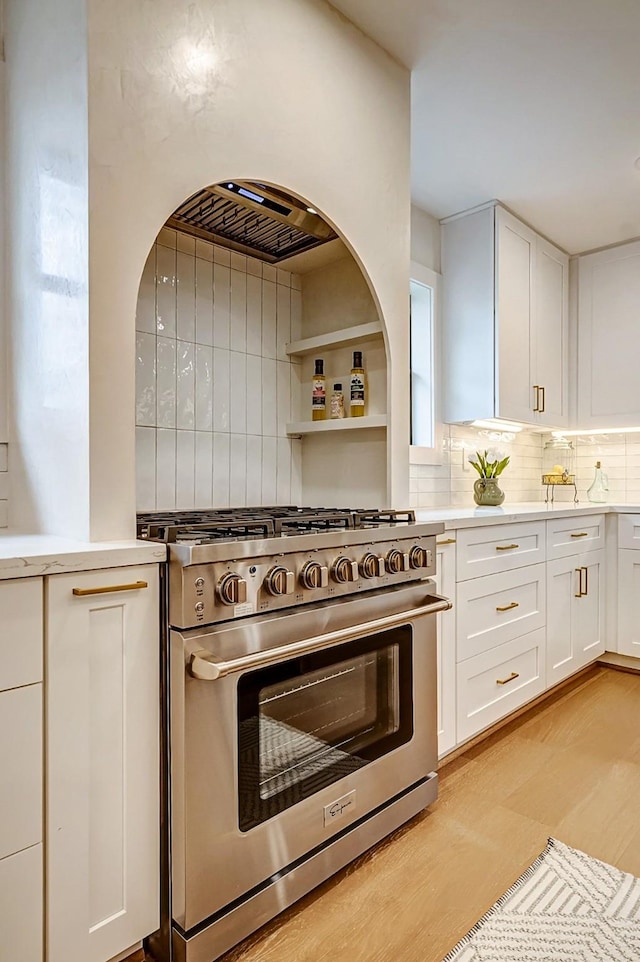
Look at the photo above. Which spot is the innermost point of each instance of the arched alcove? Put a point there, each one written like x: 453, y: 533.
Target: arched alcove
x: 245, y: 286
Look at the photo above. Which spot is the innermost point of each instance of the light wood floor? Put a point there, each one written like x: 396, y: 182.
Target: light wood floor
x: 568, y: 768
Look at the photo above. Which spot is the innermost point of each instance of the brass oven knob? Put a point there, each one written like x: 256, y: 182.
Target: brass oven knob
x: 344, y: 570
x: 279, y: 580
x: 232, y: 589
x: 371, y: 565
x: 397, y: 561
x: 314, y: 575
x: 419, y: 557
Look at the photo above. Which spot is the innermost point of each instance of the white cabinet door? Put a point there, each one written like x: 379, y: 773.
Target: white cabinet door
x: 102, y: 762
x: 629, y: 602
x: 550, y: 335
x: 21, y: 906
x: 20, y: 632
x: 575, y: 613
x: 515, y: 259
x: 505, y: 321
x: 609, y: 338
x: 446, y: 630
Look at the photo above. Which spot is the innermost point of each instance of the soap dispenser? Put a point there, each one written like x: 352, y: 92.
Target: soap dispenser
x: 600, y: 487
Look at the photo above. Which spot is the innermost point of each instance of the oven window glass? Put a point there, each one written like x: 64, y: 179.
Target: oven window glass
x: 311, y: 721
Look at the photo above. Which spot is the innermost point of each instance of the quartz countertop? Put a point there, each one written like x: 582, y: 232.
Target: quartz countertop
x: 27, y: 555
x: 460, y: 517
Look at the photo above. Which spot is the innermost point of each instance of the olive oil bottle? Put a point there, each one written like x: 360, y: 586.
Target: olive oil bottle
x: 319, y: 393
x: 357, y: 388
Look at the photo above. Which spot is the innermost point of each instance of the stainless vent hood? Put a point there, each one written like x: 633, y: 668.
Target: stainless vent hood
x: 261, y: 221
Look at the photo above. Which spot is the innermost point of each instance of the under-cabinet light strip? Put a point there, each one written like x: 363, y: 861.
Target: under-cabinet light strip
x: 590, y: 431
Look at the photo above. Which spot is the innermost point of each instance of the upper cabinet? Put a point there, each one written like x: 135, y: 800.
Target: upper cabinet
x: 609, y: 338
x: 505, y: 310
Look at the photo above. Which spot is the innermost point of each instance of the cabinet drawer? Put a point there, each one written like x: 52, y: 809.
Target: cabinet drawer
x: 499, y: 547
x: 497, y: 682
x: 498, y: 608
x: 629, y: 531
x: 20, y: 632
x: 21, y: 767
x: 21, y: 906
x: 568, y: 536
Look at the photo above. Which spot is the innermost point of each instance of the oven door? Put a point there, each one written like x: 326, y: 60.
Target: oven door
x: 289, y: 728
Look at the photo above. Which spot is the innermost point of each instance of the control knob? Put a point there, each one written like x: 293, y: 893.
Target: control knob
x: 232, y: 589
x: 279, y: 580
x: 396, y: 561
x: 419, y: 557
x: 344, y: 570
x: 314, y: 575
x: 371, y: 565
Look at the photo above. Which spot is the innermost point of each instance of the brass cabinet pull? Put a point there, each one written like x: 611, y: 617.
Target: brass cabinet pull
x: 536, y: 388
x: 514, y: 604
x: 582, y: 591
x: 506, y: 547
x: 104, y: 589
x: 580, y: 534
x: 446, y: 541
x: 505, y: 681
x: 541, y: 409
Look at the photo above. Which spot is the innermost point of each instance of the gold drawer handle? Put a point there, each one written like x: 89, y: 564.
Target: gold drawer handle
x: 447, y: 541
x: 505, y: 681
x: 514, y: 604
x: 104, y: 589
x: 506, y: 547
x: 580, y: 534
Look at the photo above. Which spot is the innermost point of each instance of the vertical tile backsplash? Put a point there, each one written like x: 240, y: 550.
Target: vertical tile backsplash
x: 214, y: 383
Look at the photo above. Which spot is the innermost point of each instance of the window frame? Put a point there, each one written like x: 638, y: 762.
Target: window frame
x: 419, y: 454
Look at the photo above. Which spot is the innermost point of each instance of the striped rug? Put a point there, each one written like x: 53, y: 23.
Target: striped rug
x: 567, y: 907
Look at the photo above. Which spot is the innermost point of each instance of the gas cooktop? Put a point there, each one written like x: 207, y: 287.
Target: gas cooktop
x: 206, y: 526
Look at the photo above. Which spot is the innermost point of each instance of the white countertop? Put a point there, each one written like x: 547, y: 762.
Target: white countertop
x: 26, y: 555
x: 458, y: 517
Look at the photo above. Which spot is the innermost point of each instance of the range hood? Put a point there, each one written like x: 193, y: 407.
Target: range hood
x: 254, y: 219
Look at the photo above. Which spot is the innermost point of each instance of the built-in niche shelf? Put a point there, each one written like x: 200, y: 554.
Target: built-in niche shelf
x: 342, y: 338
x: 297, y: 428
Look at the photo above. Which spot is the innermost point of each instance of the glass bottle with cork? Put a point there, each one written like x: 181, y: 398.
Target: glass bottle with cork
x: 319, y: 393
x: 357, y: 388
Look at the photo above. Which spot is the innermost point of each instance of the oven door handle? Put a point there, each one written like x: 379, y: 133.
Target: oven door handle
x: 202, y: 664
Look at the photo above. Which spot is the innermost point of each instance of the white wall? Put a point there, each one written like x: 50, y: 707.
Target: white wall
x: 425, y: 239
x: 184, y: 93
x: 214, y: 386
x: 181, y: 93
x: 47, y: 287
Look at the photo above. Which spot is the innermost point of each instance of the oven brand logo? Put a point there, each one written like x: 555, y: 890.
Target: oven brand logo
x: 337, y: 809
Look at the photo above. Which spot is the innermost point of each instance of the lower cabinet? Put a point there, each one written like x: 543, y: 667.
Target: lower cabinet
x: 102, y: 767
x: 629, y: 602
x: 499, y: 680
x: 21, y: 906
x: 21, y: 936
x: 575, y: 613
x: 446, y: 629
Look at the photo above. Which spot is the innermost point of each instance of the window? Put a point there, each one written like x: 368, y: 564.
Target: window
x: 425, y: 434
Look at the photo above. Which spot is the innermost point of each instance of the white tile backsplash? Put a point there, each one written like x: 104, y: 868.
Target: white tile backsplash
x: 185, y: 468
x: 186, y: 385
x: 238, y: 308
x: 221, y: 305
x: 186, y: 296
x: 204, y: 301
x: 221, y: 391
x: 214, y: 384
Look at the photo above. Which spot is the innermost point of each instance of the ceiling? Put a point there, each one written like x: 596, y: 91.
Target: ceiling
x: 532, y: 102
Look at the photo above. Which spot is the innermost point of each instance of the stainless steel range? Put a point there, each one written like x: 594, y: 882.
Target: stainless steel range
x: 301, y: 674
